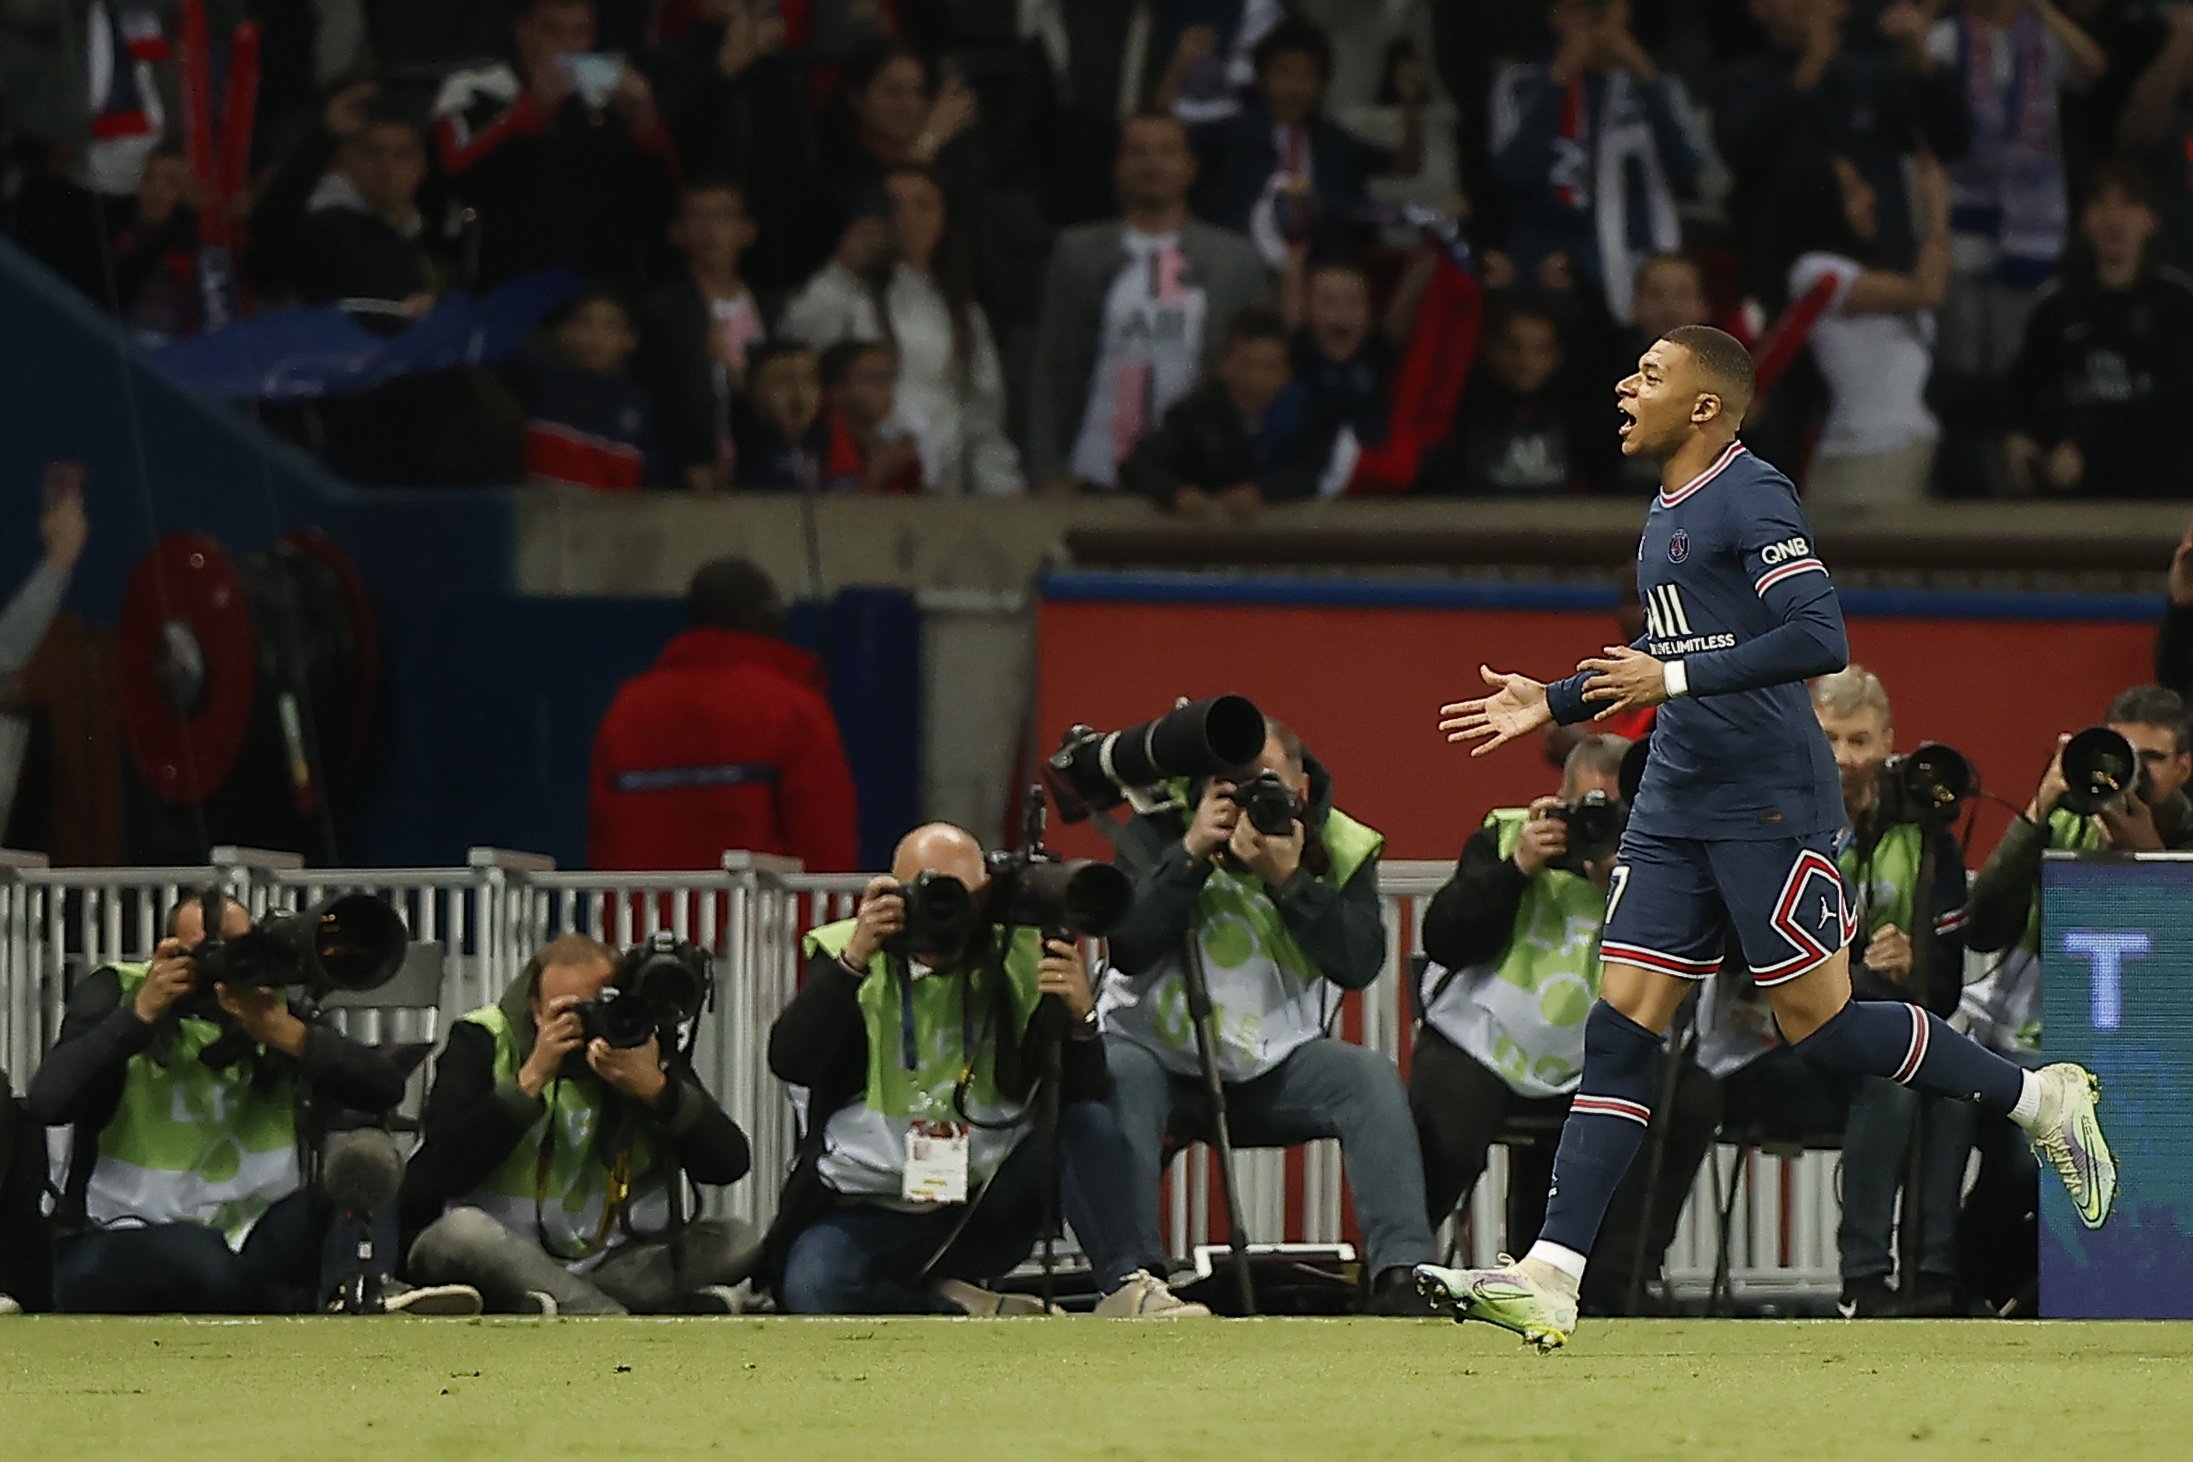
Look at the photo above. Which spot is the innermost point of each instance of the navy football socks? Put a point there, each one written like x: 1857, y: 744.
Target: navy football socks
x: 1607, y: 1122
x: 1908, y: 1045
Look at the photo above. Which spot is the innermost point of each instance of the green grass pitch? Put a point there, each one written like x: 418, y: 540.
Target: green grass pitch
x: 1246, y: 1391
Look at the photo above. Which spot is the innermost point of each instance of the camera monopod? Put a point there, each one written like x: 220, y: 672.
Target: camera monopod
x: 1198, y: 991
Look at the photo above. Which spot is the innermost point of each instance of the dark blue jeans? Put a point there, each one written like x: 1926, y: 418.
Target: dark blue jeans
x: 865, y: 1260
x: 291, y: 1263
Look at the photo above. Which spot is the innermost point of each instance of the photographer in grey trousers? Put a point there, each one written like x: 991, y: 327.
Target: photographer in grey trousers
x: 1283, y: 927
x: 546, y: 1179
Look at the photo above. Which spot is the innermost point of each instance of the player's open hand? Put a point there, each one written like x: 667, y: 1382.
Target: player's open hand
x: 1516, y: 707
x: 1624, y: 680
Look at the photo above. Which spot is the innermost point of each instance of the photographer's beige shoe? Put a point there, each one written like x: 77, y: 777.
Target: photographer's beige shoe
x: 8, y: 1306
x: 988, y: 1304
x: 1146, y: 1297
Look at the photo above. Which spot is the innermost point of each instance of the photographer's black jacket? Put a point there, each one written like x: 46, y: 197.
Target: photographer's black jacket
x: 80, y: 1081
x: 820, y: 1042
x: 1470, y: 920
x: 472, y: 1121
x: 1341, y: 929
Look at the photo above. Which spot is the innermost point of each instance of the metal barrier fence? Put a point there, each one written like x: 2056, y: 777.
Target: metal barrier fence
x: 488, y: 917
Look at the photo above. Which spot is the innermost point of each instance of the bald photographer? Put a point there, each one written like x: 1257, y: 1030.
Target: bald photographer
x: 923, y: 1035
x: 561, y: 1129
x: 195, y: 1104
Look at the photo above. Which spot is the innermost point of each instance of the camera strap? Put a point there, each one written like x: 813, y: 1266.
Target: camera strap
x: 616, y: 1196
x: 910, y: 1036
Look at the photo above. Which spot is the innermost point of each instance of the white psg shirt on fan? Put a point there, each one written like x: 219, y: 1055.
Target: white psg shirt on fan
x: 1149, y: 356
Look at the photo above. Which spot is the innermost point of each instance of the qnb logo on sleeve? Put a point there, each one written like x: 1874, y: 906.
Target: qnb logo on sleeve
x: 1789, y: 550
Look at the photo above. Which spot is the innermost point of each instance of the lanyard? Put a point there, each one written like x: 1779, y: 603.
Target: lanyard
x: 909, y: 1045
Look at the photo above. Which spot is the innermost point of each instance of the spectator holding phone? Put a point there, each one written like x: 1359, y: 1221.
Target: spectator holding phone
x: 562, y: 155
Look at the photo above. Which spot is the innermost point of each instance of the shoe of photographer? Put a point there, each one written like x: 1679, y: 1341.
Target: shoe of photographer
x: 715, y: 1299
x: 1934, y: 1297
x: 1396, y: 1296
x: 1146, y: 1297
x: 1869, y: 1298
x: 430, y: 1299
x: 8, y: 1306
x: 988, y: 1304
x: 538, y: 1303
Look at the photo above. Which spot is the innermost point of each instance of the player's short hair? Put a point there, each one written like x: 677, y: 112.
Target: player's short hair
x: 1593, y: 755
x: 2152, y: 705
x: 1850, y: 690
x: 1723, y: 361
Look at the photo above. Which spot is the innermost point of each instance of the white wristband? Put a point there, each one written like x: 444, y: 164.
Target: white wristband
x: 1675, y: 678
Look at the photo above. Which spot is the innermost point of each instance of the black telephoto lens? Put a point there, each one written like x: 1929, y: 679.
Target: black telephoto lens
x: 2099, y: 765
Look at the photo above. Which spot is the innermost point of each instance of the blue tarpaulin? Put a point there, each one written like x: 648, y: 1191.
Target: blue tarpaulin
x: 303, y: 354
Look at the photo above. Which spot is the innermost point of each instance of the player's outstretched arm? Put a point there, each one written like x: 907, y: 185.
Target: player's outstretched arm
x: 1516, y: 707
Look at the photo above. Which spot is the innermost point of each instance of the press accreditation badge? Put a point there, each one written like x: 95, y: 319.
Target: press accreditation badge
x: 936, y: 1163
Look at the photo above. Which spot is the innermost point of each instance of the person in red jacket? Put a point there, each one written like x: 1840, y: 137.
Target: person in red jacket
x: 727, y: 743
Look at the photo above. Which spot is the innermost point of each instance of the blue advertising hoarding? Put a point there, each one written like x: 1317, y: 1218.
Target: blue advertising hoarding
x: 2117, y: 997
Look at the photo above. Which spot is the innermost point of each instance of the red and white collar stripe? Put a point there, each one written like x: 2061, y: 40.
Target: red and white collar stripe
x: 1728, y: 455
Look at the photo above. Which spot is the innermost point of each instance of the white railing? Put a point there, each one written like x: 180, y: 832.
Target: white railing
x: 488, y: 916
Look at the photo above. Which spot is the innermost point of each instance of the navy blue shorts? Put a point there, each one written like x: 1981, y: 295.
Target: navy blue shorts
x: 1672, y: 903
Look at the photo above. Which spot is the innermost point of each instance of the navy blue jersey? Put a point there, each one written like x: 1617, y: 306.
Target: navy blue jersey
x: 1734, y: 594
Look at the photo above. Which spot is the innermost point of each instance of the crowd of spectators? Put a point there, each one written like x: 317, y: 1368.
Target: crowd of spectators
x: 1222, y: 252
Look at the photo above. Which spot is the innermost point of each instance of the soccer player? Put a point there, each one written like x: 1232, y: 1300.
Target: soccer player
x: 1739, y: 808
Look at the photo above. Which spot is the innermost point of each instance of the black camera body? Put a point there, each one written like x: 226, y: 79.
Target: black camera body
x: 1269, y: 803
x: 1923, y: 786
x: 618, y: 1017
x: 661, y: 984
x: 941, y: 918
x: 1595, y: 822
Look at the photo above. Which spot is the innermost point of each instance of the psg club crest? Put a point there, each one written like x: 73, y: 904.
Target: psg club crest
x: 1678, y: 546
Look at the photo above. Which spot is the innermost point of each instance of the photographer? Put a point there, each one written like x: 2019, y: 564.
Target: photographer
x: 2003, y: 1010
x: 186, y: 1180
x: 921, y: 1047
x: 1281, y: 924
x: 550, y: 1155
x: 1514, y: 946
x: 1906, y: 875
x: 2151, y: 816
